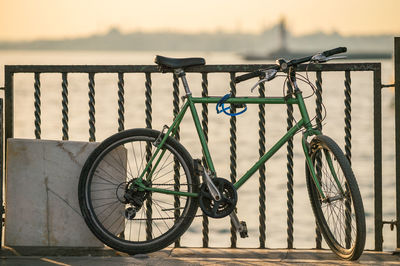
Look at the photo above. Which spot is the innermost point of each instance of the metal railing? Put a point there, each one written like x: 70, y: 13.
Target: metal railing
x: 397, y: 136
x: 149, y: 70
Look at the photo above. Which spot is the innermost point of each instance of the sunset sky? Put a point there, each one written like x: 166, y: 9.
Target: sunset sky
x: 54, y: 19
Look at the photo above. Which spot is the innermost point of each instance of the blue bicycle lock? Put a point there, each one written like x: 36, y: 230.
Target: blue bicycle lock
x: 221, y: 108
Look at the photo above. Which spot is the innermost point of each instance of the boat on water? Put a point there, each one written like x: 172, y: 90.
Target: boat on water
x: 284, y: 52
x: 291, y: 55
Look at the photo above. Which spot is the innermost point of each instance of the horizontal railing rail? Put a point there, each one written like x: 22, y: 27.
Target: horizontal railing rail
x: 205, y: 68
x: 204, y: 71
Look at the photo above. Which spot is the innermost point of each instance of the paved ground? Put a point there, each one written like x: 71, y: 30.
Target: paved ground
x: 186, y: 256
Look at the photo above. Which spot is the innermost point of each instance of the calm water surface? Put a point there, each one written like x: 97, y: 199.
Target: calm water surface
x: 247, y: 133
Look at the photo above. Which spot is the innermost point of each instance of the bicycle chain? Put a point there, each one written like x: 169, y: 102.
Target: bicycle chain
x: 170, y: 185
x: 169, y: 218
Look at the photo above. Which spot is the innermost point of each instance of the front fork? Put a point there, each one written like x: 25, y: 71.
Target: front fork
x: 309, y: 163
x: 307, y: 152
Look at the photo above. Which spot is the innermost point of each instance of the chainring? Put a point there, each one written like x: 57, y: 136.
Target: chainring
x: 222, y: 207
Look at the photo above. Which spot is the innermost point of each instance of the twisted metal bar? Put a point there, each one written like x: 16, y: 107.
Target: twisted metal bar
x: 261, y: 170
x: 347, y: 118
x: 289, y: 165
x: 148, y: 120
x: 347, y: 147
x: 64, y: 95
x: 149, y: 209
x: 2, y: 157
x: 318, y: 112
x: 348, y: 218
x: 92, y: 120
x: 177, y: 204
x: 204, y: 123
x: 148, y: 101
x: 175, y: 95
x: 37, y: 104
x: 318, y: 100
x: 121, y: 102
x: 233, y: 156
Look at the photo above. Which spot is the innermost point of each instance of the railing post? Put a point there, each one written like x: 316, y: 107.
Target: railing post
x: 204, y: 123
x: 92, y: 119
x: 1, y: 172
x: 148, y: 101
x: 318, y: 113
x: 8, y: 129
x: 347, y: 148
x: 397, y: 135
x: 121, y: 102
x: 289, y: 166
x: 64, y: 94
x: 38, y: 112
x: 378, y: 158
x: 262, y: 178
x: 9, y: 104
x: 233, y: 156
x: 177, y: 202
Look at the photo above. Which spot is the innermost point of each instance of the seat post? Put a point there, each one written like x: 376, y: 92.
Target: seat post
x: 180, y: 73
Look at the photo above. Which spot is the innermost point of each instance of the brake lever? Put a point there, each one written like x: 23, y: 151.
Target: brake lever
x: 335, y: 57
x: 320, y: 58
x: 269, y: 74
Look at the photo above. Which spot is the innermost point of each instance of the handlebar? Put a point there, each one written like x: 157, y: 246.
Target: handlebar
x: 247, y: 76
x: 293, y: 62
x: 334, y: 51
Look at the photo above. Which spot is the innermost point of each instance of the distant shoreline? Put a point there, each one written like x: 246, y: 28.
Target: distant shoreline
x: 264, y: 42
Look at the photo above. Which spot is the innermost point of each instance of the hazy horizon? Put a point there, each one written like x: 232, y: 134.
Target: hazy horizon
x: 114, y: 29
x: 24, y: 20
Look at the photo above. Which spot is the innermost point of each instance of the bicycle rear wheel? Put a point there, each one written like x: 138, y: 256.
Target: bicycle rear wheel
x: 125, y: 217
x: 340, y: 215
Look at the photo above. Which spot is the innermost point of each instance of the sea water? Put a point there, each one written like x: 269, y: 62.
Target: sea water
x: 106, y: 99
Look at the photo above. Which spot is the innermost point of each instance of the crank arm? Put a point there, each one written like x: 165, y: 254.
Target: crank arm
x: 211, y: 186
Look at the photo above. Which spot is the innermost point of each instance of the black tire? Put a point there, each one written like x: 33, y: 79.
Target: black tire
x: 162, y: 218
x: 342, y: 214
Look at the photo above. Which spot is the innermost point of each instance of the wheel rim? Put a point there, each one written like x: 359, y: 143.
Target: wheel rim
x: 159, y: 214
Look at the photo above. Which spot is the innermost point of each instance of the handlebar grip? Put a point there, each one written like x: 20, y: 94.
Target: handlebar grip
x: 334, y: 51
x: 248, y: 76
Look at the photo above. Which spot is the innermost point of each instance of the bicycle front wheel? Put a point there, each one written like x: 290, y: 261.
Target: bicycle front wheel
x: 340, y: 214
x: 128, y: 218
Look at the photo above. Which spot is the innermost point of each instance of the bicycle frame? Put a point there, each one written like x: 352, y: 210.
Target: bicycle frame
x: 190, y: 104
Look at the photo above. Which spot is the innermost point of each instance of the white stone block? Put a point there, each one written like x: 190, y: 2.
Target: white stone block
x: 42, y: 207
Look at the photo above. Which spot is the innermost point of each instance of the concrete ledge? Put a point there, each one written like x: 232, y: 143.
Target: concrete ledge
x: 42, y: 207
x: 24, y: 251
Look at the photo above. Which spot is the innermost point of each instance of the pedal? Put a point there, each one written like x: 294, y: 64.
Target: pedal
x: 240, y: 226
x: 243, y: 230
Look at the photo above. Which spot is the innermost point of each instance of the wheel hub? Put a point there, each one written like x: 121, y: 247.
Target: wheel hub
x: 130, y: 193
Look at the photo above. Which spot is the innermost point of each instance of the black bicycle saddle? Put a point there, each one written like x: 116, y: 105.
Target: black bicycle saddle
x: 174, y: 63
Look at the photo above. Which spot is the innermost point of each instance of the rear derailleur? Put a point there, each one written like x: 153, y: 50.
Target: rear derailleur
x: 133, y: 195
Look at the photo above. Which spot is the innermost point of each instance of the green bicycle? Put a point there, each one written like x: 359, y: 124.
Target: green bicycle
x: 139, y: 190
